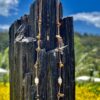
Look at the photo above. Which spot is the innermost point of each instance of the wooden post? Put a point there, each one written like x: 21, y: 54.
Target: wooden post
x: 22, y: 56
x: 12, y: 31
x: 68, y: 37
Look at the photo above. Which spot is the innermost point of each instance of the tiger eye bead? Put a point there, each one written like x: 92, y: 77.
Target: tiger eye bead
x: 60, y: 95
x: 61, y: 64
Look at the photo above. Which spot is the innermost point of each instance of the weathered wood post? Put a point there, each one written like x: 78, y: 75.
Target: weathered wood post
x: 22, y: 55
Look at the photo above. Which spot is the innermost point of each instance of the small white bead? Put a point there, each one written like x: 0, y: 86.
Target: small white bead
x: 36, y: 80
x: 59, y: 80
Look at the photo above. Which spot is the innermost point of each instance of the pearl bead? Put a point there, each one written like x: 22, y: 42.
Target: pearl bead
x: 36, y: 80
x: 59, y: 80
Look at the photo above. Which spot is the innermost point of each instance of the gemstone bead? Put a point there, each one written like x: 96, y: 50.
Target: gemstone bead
x: 60, y: 81
x: 36, y: 80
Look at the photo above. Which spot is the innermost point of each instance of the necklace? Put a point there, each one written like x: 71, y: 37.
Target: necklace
x: 60, y: 42
x: 38, y: 49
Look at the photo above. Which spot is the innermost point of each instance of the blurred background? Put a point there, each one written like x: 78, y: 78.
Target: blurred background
x: 86, y: 16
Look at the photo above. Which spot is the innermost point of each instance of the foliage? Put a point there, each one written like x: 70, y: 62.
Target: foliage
x: 87, y: 55
x: 4, y: 61
x: 90, y: 91
x: 4, y: 92
x: 4, y: 41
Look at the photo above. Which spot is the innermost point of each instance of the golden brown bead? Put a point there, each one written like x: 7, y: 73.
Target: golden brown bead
x: 58, y: 36
x: 61, y: 64
x: 38, y: 49
x: 38, y: 37
x: 60, y: 95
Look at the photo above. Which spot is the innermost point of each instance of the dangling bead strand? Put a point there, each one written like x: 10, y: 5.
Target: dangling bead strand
x: 38, y: 49
x: 48, y: 29
x: 61, y: 65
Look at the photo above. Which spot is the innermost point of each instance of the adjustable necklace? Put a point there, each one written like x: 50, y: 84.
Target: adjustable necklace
x: 60, y: 42
x: 38, y: 49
